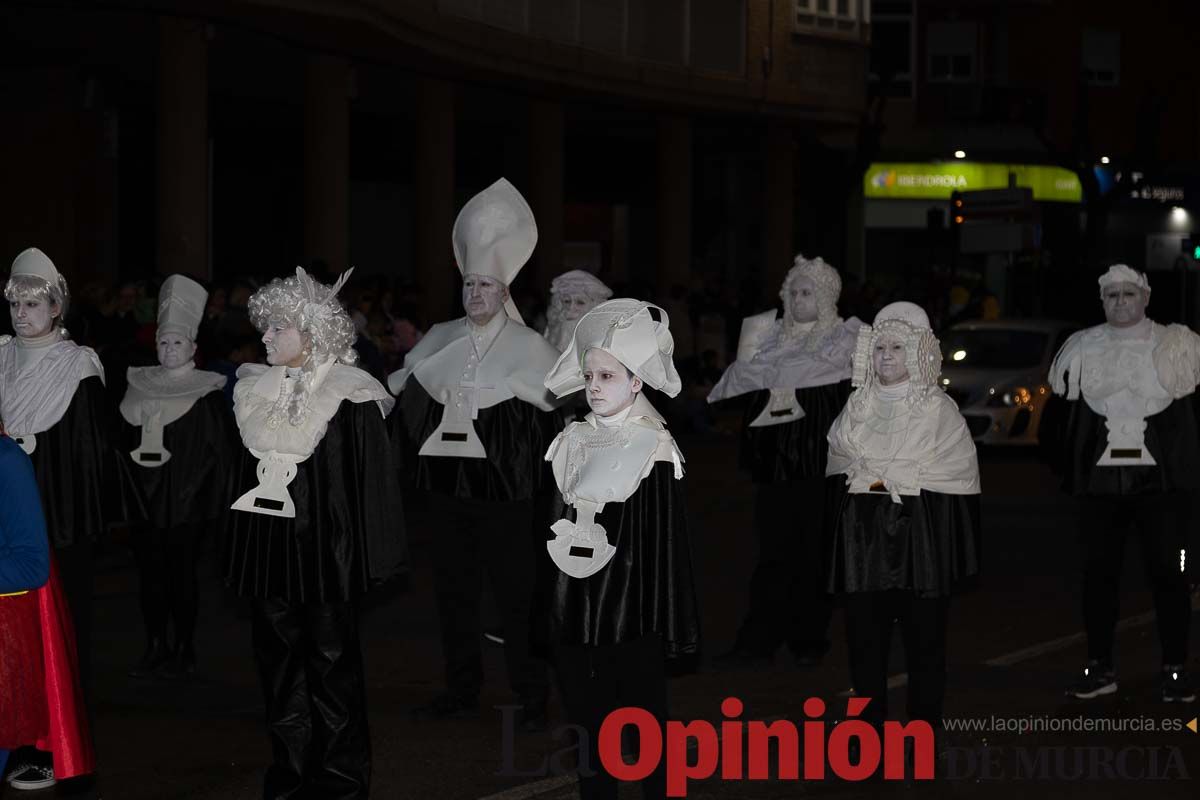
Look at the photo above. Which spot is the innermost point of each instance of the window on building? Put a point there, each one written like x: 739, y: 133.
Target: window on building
x: 718, y: 35
x: 656, y: 30
x: 835, y: 16
x: 951, y: 48
x: 891, y: 47
x: 1102, y: 57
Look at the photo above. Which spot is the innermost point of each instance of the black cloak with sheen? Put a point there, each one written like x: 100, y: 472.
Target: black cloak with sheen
x: 929, y: 543
x: 348, y: 532
x: 792, y: 450
x: 1073, y: 437
x: 647, y: 587
x: 86, y: 483
x: 514, y: 433
x: 196, y: 484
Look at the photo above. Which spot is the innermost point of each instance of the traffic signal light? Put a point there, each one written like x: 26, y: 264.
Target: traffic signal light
x: 956, y: 207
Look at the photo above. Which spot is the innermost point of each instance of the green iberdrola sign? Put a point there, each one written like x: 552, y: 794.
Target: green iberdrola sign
x: 935, y: 181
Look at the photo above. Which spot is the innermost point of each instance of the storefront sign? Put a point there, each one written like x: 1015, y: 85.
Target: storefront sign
x: 935, y: 181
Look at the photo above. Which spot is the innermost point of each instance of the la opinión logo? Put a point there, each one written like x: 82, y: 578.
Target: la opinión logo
x: 851, y: 749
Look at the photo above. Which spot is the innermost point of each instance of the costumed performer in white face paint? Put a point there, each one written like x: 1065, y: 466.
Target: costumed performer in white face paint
x: 1128, y: 441
x: 621, y: 600
x: 906, y: 513
x: 53, y: 404
x: 320, y: 524
x: 795, y: 372
x: 183, y: 445
x: 572, y: 294
x: 473, y: 423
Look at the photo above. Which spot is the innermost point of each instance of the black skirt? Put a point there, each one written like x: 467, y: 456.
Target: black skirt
x: 792, y: 450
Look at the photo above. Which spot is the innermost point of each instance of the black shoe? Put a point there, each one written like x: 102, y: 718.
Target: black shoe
x: 1098, y: 679
x: 449, y: 705
x: 31, y: 777
x: 1176, y: 685
x: 155, y: 658
x: 743, y: 658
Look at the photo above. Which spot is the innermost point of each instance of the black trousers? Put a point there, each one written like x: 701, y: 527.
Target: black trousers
x: 595, y: 681
x: 1160, y: 523
x: 923, y: 622
x: 474, y: 537
x: 788, y: 598
x: 169, y: 589
x: 310, y: 665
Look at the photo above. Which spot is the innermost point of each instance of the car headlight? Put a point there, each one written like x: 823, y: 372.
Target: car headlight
x: 1010, y: 396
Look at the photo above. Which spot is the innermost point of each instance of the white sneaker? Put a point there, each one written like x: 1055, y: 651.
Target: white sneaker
x: 31, y: 777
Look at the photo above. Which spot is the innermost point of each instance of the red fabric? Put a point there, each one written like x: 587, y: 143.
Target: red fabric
x: 68, y: 739
x: 23, y: 717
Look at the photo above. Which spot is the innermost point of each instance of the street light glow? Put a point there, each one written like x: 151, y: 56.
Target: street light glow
x: 960, y: 153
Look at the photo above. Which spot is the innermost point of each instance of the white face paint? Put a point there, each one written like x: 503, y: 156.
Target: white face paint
x: 482, y: 297
x: 174, y: 350
x: 31, y: 317
x: 889, y: 357
x: 608, y: 386
x: 574, y: 306
x: 1124, y: 304
x: 285, y: 345
x: 804, y: 300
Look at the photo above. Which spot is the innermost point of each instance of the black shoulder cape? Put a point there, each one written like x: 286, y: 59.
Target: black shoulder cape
x: 929, y: 543
x: 514, y: 433
x: 647, y: 587
x: 196, y: 484
x: 348, y: 532
x: 1073, y: 437
x: 85, y: 481
x: 793, y: 450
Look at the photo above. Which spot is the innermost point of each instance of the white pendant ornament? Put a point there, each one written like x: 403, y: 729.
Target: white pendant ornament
x: 28, y: 443
x: 275, y: 472
x: 150, y: 451
x: 455, y: 436
x: 781, y: 408
x: 1126, y: 443
x: 580, y: 548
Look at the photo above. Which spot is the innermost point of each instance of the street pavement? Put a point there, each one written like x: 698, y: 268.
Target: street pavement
x: 1014, y: 643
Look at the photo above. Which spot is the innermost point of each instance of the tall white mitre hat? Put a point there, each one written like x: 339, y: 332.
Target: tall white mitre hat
x: 627, y: 330
x: 494, y: 235
x: 34, y: 262
x: 181, y: 303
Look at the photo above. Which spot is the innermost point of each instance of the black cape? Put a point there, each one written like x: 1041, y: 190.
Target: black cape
x: 348, y: 532
x: 792, y: 450
x: 83, y: 478
x: 647, y: 587
x: 514, y: 433
x: 196, y: 484
x: 1073, y: 437
x: 929, y: 543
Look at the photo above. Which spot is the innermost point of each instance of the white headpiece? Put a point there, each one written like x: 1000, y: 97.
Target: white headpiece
x: 579, y: 281
x: 494, y: 235
x: 1121, y: 273
x: 826, y: 279
x: 575, y: 282
x: 181, y: 304
x: 34, y: 274
x: 627, y: 330
x: 909, y: 323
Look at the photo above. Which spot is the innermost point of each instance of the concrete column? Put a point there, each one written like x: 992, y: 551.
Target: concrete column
x: 674, y: 202
x: 327, y: 161
x: 545, y: 193
x: 435, y: 209
x: 181, y: 152
x: 780, y: 211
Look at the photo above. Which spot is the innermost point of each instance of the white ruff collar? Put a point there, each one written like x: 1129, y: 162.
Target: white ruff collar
x: 34, y: 398
x: 259, y: 387
x: 781, y: 362
x: 171, y: 394
x: 885, y: 441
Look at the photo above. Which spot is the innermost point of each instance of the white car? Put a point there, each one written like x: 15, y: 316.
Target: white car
x: 996, y: 371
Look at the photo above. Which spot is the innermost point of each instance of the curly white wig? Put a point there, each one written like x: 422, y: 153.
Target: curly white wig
x: 32, y: 287
x: 908, y: 323
x: 828, y: 286
x: 562, y: 289
x: 313, y: 309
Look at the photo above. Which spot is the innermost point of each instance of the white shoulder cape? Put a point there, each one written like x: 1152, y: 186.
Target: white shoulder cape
x: 153, y: 390
x: 34, y: 399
